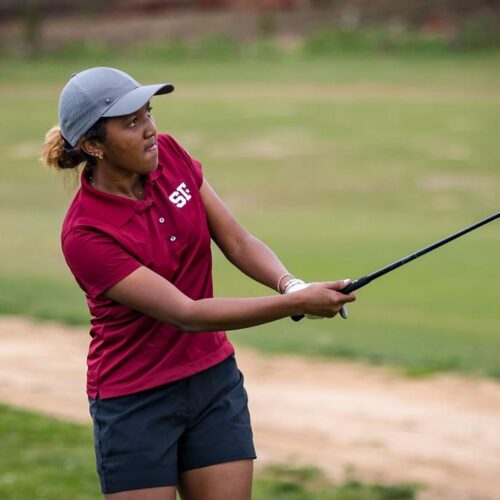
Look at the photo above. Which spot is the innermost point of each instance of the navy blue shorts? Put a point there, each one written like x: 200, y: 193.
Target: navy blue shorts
x: 147, y: 439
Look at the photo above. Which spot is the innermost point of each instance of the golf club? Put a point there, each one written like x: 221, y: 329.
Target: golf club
x: 364, y: 280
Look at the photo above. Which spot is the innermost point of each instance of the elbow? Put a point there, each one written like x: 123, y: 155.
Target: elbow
x: 178, y: 316
x: 187, y: 326
x: 234, y: 251
x: 182, y: 326
x: 184, y: 318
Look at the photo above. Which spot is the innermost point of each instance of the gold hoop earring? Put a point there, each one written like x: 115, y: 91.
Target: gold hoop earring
x: 99, y: 155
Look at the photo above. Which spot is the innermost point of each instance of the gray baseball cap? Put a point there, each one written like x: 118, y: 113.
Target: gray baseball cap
x: 101, y: 92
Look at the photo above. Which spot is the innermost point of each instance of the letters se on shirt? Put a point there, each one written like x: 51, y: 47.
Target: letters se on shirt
x: 180, y: 196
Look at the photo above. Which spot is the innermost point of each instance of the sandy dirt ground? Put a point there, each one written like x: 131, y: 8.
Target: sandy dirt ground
x: 350, y: 420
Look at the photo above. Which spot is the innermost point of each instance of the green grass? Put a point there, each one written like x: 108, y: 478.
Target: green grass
x: 287, y: 483
x: 43, y: 458
x: 340, y: 164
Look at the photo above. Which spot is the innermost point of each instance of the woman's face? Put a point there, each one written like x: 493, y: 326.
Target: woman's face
x: 131, y: 142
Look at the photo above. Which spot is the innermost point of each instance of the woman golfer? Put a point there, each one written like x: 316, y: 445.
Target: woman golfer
x: 166, y: 397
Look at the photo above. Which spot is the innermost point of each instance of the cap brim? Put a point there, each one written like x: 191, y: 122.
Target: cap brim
x: 137, y: 98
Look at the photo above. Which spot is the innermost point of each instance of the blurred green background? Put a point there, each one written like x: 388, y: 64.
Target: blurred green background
x: 343, y: 151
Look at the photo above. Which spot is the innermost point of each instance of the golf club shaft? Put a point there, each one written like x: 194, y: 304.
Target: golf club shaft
x: 363, y: 281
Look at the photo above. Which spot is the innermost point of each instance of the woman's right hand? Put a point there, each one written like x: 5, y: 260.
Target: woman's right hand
x: 325, y: 299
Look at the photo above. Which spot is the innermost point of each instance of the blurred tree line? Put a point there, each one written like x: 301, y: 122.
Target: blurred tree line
x: 410, y: 9
x: 479, y: 17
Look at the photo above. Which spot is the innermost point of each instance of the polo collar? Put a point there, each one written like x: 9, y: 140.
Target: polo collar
x: 110, y: 208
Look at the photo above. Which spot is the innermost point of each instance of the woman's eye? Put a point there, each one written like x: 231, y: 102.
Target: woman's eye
x: 149, y: 110
x: 133, y: 123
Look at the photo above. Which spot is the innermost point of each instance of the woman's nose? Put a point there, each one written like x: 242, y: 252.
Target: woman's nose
x: 150, y: 127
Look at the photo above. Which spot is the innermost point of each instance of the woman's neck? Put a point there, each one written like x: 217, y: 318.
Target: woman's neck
x: 127, y: 184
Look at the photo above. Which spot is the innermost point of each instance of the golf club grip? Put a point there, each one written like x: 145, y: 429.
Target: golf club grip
x: 355, y: 285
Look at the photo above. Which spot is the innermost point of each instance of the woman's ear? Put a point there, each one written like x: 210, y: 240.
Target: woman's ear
x: 92, y: 148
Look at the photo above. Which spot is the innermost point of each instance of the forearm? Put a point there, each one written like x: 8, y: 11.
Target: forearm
x: 149, y: 293
x: 257, y: 261
x: 233, y: 314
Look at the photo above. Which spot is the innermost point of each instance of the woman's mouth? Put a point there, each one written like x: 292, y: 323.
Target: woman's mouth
x: 152, y: 149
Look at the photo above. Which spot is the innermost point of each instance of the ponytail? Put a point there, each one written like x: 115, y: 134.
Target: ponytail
x: 58, y: 153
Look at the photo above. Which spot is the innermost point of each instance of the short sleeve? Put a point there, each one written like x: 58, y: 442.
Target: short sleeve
x: 197, y: 170
x: 96, y: 260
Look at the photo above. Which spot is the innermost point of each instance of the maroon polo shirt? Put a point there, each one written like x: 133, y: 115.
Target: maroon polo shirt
x: 106, y: 237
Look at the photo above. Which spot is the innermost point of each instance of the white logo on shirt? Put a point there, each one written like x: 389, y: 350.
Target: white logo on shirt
x: 180, y: 196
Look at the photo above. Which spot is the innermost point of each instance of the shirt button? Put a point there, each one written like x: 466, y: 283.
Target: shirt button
x: 161, y: 220
x: 172, y: 238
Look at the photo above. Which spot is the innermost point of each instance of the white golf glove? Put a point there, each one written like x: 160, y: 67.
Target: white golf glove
x: 294, y: 285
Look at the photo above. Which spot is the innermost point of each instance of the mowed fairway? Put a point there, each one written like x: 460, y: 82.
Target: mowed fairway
x: 341, y: 166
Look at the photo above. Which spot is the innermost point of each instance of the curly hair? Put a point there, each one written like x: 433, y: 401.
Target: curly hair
x: 58, y: 153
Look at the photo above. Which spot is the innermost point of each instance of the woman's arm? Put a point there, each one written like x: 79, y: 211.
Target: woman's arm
x: 243, y: 250
x: 151, y: 294
x: 148, y: 292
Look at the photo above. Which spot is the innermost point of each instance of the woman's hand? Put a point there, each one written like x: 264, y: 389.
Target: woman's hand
x: 324, y: 299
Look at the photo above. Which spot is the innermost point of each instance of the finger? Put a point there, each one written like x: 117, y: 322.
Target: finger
x: 341, y: 298
x: 336, y: 285
x: 350, y: 297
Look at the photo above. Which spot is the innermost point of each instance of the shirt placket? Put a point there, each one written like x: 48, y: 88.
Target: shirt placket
x: 169, y: 230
